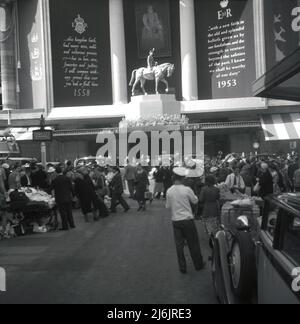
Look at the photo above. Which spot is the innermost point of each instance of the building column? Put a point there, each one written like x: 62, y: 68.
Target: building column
x: 8, y: 55
x: 259, y: 33
x: 118, y: 50
x: 188, y: 50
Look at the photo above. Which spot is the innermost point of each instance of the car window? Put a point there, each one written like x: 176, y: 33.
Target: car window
x: 272, y: 215
x: 291, y: 238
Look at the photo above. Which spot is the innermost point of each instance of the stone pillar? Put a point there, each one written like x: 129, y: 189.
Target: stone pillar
x: 188, y: 50
x: 118, y: 56
x: 259, y: 37
x: 8, y: 55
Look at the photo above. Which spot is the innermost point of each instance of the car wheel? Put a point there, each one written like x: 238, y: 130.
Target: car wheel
x: 242, y: 266
x: 217, y: 276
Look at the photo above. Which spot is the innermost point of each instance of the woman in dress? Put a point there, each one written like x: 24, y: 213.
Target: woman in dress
x: 210, y: 196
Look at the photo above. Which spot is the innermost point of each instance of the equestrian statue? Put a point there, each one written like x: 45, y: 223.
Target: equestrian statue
x: 156, y: 72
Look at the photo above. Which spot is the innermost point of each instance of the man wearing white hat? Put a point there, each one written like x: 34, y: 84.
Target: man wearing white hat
x: 180, y: 200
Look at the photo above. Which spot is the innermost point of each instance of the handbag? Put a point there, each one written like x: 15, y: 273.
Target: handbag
x: 148, y: 195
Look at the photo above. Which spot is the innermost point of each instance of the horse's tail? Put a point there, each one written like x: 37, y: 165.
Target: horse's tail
x: 132, y: 78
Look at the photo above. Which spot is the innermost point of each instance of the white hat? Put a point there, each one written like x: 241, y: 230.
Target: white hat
x: 191, y: 164
x: 213, y: 169
x: 181, y: 172
x: 26, y: 166
x: 51, y: 170
x: 196, y: 173
x: 5, y: 166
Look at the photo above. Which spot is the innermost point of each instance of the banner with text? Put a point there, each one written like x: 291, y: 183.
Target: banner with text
x: 32, y: 72
x: 81, y: 53
x: 225, y: 48
x: 282, y: 26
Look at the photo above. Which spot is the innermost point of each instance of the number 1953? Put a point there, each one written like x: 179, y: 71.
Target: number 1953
x: 227, y: 84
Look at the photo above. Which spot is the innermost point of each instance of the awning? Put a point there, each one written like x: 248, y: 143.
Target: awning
x: 278, y: 127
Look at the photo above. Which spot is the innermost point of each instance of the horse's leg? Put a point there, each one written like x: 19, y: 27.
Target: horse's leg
x: 143, y: 81
x: 156, y: 85
x: 134, y: 86
x: 167, y: 84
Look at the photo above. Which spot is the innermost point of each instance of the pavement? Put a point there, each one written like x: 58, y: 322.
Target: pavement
x: 123, y: 259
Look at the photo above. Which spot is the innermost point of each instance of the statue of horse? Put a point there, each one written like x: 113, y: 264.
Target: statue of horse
x: 158, y: 73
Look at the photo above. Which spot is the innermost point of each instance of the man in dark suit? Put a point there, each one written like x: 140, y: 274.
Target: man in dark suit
x: 26, y: 180
x: 63, y: 191
x: 117, y: 190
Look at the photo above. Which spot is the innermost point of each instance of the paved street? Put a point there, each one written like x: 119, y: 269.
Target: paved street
x: 126, y: 258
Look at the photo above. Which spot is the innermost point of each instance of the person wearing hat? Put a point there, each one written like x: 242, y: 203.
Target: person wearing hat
x: 14, y: 179
x: 265, y: 181
x: 117, y: 191
x: 51, y: 175
x: 130, y: 172
x: 26, y: 180
x: 210, y: 197
x: 85, y: 192
x: 180, y: 200
x: 39, y: 178
x: 63, y: 192
x: 141, y: 185
x: 195, y: 182
x: 235, y: 181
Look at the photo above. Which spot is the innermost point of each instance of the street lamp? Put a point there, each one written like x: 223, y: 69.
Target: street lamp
x: 256, y: 147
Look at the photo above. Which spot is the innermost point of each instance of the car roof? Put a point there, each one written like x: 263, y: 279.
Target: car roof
x: 290, y: 201
x: 87, y: 158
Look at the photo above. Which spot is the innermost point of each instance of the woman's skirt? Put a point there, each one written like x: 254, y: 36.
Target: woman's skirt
x: 159, y: 187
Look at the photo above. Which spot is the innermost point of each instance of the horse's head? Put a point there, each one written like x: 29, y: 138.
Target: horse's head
x: 170, y: 70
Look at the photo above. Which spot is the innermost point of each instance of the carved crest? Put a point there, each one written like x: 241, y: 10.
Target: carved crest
x: 79, y: 25
x: 224, y: 4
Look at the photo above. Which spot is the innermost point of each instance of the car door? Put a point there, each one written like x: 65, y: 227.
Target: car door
x: 279, y: 257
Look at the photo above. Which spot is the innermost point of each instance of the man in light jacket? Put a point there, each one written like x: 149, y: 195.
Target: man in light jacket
x: 180, y: 200
x: 235, y: 181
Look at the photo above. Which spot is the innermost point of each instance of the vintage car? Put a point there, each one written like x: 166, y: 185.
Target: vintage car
x: 257, y: 259
x: 85, y: 161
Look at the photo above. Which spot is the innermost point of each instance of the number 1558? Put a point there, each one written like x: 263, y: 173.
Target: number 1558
x: 82, y: 93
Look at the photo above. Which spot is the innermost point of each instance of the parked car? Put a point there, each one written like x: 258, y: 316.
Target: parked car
x: 257, y: 260
x: 85, y: 161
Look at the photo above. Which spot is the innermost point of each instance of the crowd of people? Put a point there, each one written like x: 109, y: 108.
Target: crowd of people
x: 256, y: 175
x: 96, y: 190
x: 189, y: 192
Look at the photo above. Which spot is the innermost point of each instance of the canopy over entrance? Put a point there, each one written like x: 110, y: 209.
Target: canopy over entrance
x: 281, y: 126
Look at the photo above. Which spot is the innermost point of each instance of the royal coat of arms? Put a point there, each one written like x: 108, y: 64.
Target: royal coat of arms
x: 224, y: 3
x: 79, y: 25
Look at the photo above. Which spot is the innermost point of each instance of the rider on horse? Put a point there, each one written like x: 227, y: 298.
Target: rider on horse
x: 150, y: 60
